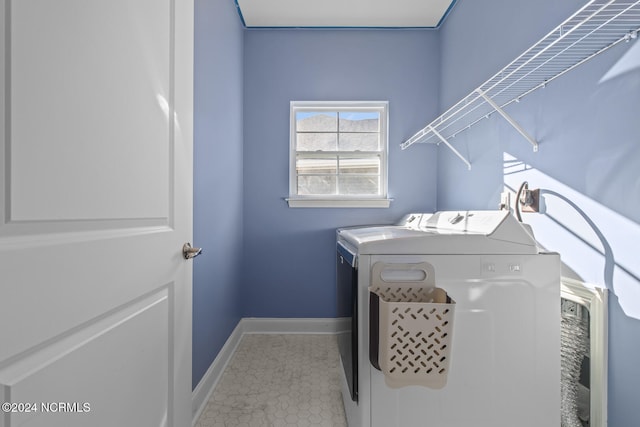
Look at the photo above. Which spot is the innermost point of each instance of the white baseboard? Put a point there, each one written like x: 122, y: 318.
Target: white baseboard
x: 263, y: 325
x: 256, y: 325
x: 201, y: 394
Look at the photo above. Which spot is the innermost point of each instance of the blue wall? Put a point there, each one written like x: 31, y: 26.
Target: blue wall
x: 587, y: 125
x: 290, y: 253
x: 217, y: 178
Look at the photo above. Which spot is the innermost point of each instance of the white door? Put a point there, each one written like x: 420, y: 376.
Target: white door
x: 95, y: 205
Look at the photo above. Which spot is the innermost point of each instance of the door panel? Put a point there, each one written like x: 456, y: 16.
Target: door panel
x: 82, y: 107
x: 136, y: 340
x: 95, y: 205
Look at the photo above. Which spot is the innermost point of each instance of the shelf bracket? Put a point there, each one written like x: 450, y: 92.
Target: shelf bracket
x: 418, y: 136
x: 451, y: 147
x: 509, y: 119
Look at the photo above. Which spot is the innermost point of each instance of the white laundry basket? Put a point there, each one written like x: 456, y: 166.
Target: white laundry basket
x: 411, y: 328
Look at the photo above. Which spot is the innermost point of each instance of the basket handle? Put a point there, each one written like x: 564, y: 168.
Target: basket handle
x: 422, y: 274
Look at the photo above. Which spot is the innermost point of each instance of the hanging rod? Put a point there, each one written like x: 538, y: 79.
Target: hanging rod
x: 596, y: 27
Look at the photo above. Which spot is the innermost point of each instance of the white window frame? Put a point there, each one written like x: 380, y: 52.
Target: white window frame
x: 380, y: 200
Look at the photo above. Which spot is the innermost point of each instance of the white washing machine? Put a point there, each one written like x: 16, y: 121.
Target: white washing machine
x: 504, y: 351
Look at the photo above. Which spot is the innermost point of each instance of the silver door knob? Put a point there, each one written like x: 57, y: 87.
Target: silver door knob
x: 190, y: 252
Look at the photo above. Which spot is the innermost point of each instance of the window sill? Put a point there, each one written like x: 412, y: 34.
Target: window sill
x: 337, y: 203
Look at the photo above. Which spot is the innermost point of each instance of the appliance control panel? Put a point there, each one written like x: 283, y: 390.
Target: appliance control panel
x: 476, y: 222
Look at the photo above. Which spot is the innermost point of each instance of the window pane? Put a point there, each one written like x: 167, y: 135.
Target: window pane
x: 359, y: 121
x: 317, y: 141
x: 359, y: 142
x: 316, y: 184
x: 360, y: 165
x: 338, y: 150
x: 322, y: 165
x: 360, y: 185
x: 316, y: 122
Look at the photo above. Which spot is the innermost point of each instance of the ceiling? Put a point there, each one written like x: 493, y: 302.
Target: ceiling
x: 343, y: 13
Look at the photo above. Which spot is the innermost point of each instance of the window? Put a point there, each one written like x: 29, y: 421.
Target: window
x: 338, y: 155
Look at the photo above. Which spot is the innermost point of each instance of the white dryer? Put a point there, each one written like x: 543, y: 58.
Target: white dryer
x: 504, y: 355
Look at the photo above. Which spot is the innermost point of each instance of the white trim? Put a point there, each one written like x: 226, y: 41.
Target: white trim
x: 337, y: 203
x: 595, y: 299
x: 201, y: 394
x: 262, y: 325
x: 252, y: 325
x: 379, y: 200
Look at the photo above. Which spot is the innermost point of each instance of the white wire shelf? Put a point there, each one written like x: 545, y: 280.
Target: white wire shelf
x: 598, y: 26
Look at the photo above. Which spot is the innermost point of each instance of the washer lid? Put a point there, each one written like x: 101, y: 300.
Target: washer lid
x: 454, y: 232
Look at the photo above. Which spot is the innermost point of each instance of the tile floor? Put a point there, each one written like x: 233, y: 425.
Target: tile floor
x: 279, y: 381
